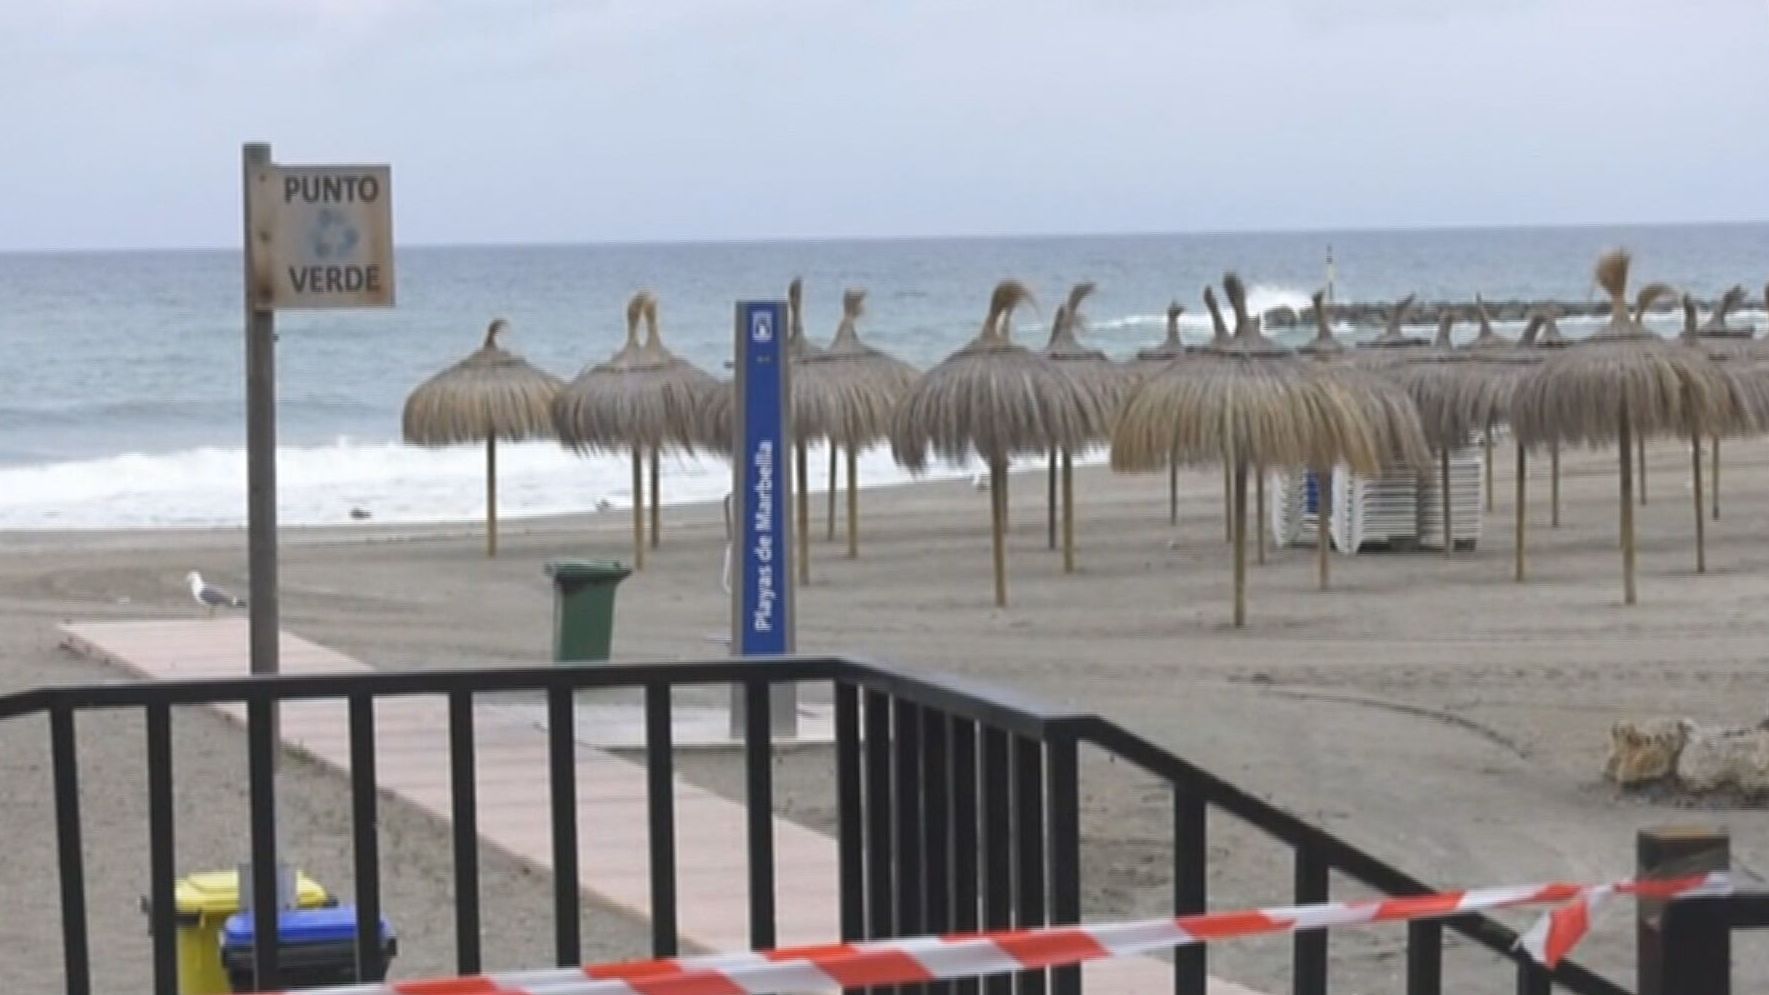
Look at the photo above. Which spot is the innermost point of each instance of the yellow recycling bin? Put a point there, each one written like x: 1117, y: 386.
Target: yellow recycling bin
x: 203, y: 902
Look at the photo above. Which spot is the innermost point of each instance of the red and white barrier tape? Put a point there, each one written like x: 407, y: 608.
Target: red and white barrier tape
x: 936, y: 958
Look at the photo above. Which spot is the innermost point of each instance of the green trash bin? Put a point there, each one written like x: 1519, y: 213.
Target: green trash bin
x: 583, y: 608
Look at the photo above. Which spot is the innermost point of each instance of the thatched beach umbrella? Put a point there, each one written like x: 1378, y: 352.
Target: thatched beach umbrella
x: 1103, y: 381
x: 1153, y: 360
x: 804, y: 429
x: 1391, y: 413
x: 492, y: 394
x: 1247, y: 401
x: 1547, y: 337
x: 1455, y: 391
x: 1735, y: 349
x: 1621, y: 382
x: 998, y: 400
x: 641, y: 400
x: 852, y: 390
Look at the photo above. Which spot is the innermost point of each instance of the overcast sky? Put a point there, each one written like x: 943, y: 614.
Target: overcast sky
x: 616, y: 120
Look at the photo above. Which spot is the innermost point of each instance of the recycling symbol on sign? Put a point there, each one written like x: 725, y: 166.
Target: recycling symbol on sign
x: 333, y: 236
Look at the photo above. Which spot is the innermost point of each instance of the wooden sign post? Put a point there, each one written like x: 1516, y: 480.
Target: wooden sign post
x: 315, y: 237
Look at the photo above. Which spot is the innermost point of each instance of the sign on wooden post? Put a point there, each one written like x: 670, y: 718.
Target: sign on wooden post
x: 322, y: 236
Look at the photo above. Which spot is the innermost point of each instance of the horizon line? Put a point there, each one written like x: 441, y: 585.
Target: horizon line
x: 959, y: 237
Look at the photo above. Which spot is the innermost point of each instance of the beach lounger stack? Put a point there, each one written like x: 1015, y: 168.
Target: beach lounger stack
x: 1466, y: 466
x: 1375, y: 511
x: 1295, y: 507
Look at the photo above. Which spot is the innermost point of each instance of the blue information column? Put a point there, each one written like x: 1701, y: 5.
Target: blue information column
x: 761, y: 599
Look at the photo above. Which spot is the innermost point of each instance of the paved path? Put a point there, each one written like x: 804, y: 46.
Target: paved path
x: 613, y: 849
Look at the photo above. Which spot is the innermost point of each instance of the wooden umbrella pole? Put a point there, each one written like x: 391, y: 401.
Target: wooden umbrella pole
x: 853, y: 504
x: 1172, y: 489
x: 1050, y: 499
x: 491, y: 495
x: 1522, y: 475
x: 802, y: 537
x: 1701, y: 546
x: 998, y: 516
x: 1640, y: 447
x: 1449, y: 540
x: 638, y: 508
x: 1624, y: 436
x: 833, y: 489
x: 655, y: 504
x: 1323, y: 526
x: 1228, y: 501
x: 1239, y: 530
x: 1554, y: 484
x: 1259, y: 511
x: 1068, y: 513
x: 1489, y: 467
x: 1716, y: 488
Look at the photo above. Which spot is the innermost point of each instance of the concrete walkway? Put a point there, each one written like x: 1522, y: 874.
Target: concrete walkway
x: 613, y: 848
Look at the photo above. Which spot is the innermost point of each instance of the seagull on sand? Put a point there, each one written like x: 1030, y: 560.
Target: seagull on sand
x: 211, y: 597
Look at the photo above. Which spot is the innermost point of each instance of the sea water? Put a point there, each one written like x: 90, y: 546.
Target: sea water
x: 122, y: 385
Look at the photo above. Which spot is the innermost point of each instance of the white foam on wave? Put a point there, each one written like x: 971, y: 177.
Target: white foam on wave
x: 321, y: 485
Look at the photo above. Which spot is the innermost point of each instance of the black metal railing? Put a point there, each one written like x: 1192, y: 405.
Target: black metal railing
x: 1695, y: 953
x: 958, y: 808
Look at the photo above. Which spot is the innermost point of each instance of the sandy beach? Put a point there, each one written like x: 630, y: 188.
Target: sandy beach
x: 1435, y: 713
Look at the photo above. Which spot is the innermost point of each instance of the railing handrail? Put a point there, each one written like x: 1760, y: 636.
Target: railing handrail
x: 972, y: 699
x: 960, y: 696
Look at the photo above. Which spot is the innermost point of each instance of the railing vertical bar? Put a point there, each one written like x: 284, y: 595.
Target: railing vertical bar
x: 906, y: 768
x: 365, y: 837
x: 660, y: 805
x: 876, y: 759
x: 1425, y: 958
x: 964, y: 834
x: 463, y: 786
x: 261, y: 789
x: 850, y: 816
x: 70, y: 852
x: 1191, y: 850
x: 1533, y: 979
x: 161, y: 850
x: 1028, y: 836
x: 1064, y: 800
x: 758, y: 753
x: 936, y: 828
x: 877, y: 754
x: 562, y: 769
x: 997, y: 849
x: 1309, y: 947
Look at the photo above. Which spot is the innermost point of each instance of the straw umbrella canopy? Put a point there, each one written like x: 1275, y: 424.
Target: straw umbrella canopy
x: 1622, y: 381
x: 998, y: 400
x: 1457, y: 391
x: 1247, y: 401
x: 641, y: 400
x: 852, y: 389
x: 1103, y: 381
x: 1153, y: 360
x: 492, y: 394
x: 1389, y: 409
x: 1739, y: 355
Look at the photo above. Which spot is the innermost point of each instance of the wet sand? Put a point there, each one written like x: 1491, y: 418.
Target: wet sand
x: 1430, y: 711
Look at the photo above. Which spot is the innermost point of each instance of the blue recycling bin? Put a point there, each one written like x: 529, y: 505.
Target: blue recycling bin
x: 316, y: 947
